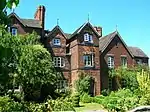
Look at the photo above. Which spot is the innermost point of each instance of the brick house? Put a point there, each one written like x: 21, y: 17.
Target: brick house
x: 85, y: 50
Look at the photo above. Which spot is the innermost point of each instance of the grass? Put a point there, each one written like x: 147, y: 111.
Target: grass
x: 89, y: 106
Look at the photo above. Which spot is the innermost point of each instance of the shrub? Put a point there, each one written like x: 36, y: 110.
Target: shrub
x: 76, y: 100
x: 60, y: 105
x: 98, y: 99
x: 38, y: 107
x: 85, y: 98
x: 105, y: 92
x: 83, y: 83
x: 122, y: 100
x: 8, y: 105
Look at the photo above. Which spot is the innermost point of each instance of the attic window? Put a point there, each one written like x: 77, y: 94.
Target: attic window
x: 88, y: 38
x: 56, y: 41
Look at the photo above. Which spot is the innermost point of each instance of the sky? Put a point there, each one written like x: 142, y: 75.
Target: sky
x: 132, y: 17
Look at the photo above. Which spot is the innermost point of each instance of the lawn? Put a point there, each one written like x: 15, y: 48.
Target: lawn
x: 89, y: 106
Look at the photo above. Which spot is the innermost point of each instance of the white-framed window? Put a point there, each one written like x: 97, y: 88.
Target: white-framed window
x: 59, y: 61
x: 110, y: 61
x: 124, y: 61
x: 14, y: 31
x: 88, y: 60
x: 138, y: 61
x: 88, y: 38
x: 56, y: 41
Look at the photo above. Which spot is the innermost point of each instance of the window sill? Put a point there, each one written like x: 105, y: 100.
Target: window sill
x: 89, y: 67
x: 88, y: 43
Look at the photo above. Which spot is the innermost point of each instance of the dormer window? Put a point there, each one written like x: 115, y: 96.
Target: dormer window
x: 14, y: 31
x: 88, y: 38
x: 56, y: 42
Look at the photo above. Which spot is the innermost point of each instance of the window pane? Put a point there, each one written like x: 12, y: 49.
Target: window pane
x: 110, y: 61
x: 87, y: 60
x: 56, y: 41
x: 14, y: 31
x: 124, y: 61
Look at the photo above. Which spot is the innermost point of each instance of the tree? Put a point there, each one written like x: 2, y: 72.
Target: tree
x: 26, y: 61
x: 3, y: 6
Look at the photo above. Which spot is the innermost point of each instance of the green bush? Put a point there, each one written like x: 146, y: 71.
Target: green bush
x: 60, y: 105
x: 98, y: 99
x: 120, y: 101
x: 38, y: 107
x: 85, y: 98
x: 76, y: 99
x: 83, y: 83
x: 8, y: 105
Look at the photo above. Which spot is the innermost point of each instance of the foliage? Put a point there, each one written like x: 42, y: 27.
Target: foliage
x: 127, y: 74
x: 143, y: 79
x: 76, y: 99
x: 121, y: 100
x: 25, y: 62
x: 105, y: 92
x: 3, y: 7
x: 38, y: 107
x: 85, y: 98
x: 8, y: 105
x: 83, y: 83
x: 60, y: 105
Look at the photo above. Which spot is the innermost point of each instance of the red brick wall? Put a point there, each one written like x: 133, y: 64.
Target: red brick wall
x: 116, y: 48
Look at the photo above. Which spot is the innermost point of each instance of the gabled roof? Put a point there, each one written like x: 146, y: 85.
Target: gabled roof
x: 27, y: 22
x: 137, y: 52
x: 82, y: 26
x: 56, y: 28
x: 106, y: 40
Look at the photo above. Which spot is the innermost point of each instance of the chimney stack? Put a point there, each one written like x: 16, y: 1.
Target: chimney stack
x: 98, y: 29
x: 40, y: 15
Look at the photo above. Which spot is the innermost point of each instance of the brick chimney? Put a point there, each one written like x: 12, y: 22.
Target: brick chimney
x: 98, y: 29
x: 40, y: 15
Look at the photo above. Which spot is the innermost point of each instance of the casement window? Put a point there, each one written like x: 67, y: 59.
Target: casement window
x: 110, y: 61
x: 88, y: 60
x: 14, y: 31
x: 56, y: 42
x: 62, y: 85
x: 124, y: 61
x: 88, y: 38
x: 59, y: 61
x: 138, y: 61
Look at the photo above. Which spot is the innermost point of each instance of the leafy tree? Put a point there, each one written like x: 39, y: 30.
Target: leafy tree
x: 3, y: 6
x: 25, y: 62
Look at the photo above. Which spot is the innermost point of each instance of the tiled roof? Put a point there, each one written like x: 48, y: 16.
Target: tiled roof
x: 31, y: 23
x: 137, y: 52
x: 104, y: 41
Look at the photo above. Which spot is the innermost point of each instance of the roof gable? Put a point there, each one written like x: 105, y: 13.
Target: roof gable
x: 26, y: 22
x: 106, y: 40
x: 57, y: 28
x: 82, y: 27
